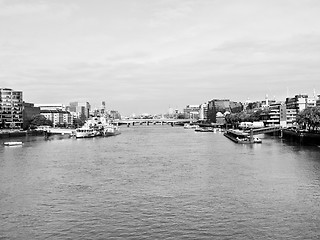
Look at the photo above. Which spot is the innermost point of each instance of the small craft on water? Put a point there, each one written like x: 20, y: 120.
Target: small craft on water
x: 12, y: 143
x: 110, y: 130
x: 190, y: 126
x: 204, y: 129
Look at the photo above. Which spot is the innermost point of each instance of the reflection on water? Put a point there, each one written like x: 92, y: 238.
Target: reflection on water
x: 159, y: 182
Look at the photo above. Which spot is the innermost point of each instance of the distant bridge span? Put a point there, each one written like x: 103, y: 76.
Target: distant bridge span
x: 151, y: 121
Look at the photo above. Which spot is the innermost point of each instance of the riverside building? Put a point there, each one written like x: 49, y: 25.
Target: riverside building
x: 11, y: 108
x: 56, y: 113
x: 58, y: 117
x: 28, y: 113
x: 300, y: 102
x: 203, y: 112
x: 191, y: 112
x: 280, y: 115
x: 222, y: 106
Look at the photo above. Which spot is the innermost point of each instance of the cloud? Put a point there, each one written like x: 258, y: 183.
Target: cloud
x: 46, y: 9
x: 169, y: 51
x: 166, y: 12
x: 14, y: 8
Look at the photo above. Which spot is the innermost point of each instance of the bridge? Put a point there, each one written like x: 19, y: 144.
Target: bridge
x: 161, y: 121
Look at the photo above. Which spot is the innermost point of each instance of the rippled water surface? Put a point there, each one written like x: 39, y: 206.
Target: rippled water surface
x: 159, y: 182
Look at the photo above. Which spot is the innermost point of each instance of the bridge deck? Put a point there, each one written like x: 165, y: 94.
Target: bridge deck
x: 264, y: 130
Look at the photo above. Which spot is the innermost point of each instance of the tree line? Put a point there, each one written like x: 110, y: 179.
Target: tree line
x: 234, y: 119
x: 40, y: 120
x: 308, y: 119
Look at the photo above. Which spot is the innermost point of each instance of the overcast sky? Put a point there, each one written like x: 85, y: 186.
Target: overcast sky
x: 146, y: 55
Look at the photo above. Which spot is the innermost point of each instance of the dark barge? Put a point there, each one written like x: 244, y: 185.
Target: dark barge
x: 239, y: 136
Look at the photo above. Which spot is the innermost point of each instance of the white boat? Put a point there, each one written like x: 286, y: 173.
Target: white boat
x: 190, y: 126
x: 204, y: 129
x: 12, y: 143
x: 85, y: 132
x: 111, y: 130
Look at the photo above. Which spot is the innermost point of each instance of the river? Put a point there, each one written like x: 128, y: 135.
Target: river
x: 159, y: 182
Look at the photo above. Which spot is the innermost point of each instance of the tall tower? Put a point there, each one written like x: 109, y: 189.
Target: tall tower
x: 267, y: 100
x: 103, y: 109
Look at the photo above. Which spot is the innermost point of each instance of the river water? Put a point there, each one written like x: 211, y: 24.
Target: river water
x: 159, y: 182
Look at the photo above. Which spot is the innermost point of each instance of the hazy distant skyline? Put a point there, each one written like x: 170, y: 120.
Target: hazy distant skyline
x: 144, y: 56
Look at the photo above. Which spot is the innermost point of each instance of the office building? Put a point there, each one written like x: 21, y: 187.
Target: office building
x: 80, y: 109
x: 191, y: 112
x: 222, y: 106
x: 28, y: 113
x: 51, y: 107
x: 300, y: 102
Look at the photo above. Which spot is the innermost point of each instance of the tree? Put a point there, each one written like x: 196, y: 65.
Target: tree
x: 3, y: 123
x: 180, y: 116
x: 309, y: 119
x: 78, y: 122
x: 40, y: 120
x: 233, y: 119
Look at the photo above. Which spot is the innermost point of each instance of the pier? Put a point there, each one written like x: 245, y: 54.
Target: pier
x: 256, y: 131
x: 247, y: 136
x: 61, y: 131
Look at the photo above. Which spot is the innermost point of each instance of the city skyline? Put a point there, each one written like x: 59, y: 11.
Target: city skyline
x: 146, y: 56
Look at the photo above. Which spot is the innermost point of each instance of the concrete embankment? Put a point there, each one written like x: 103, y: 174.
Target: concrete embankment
x: 18, y: 133
x: 12, y: 133
x: 301, y: 136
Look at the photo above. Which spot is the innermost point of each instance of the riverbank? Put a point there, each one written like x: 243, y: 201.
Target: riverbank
x: 301, y: 136
x: 18, y: 133
x: 12, y: 133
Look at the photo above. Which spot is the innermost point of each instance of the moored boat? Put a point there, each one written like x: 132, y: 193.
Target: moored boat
x: 190, y: 126
x: 111, y: 130
x: 239, y: 136
x: 12, y: 143
x: 204, y: 129
x: 85, y: 132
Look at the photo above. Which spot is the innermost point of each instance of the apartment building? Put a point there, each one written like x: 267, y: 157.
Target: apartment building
x: 11, y: 108
x: 300, y: 102
x: 58, y: 117
x: 203, y: 112
x: 280, y: 115
x: 56, y: 113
